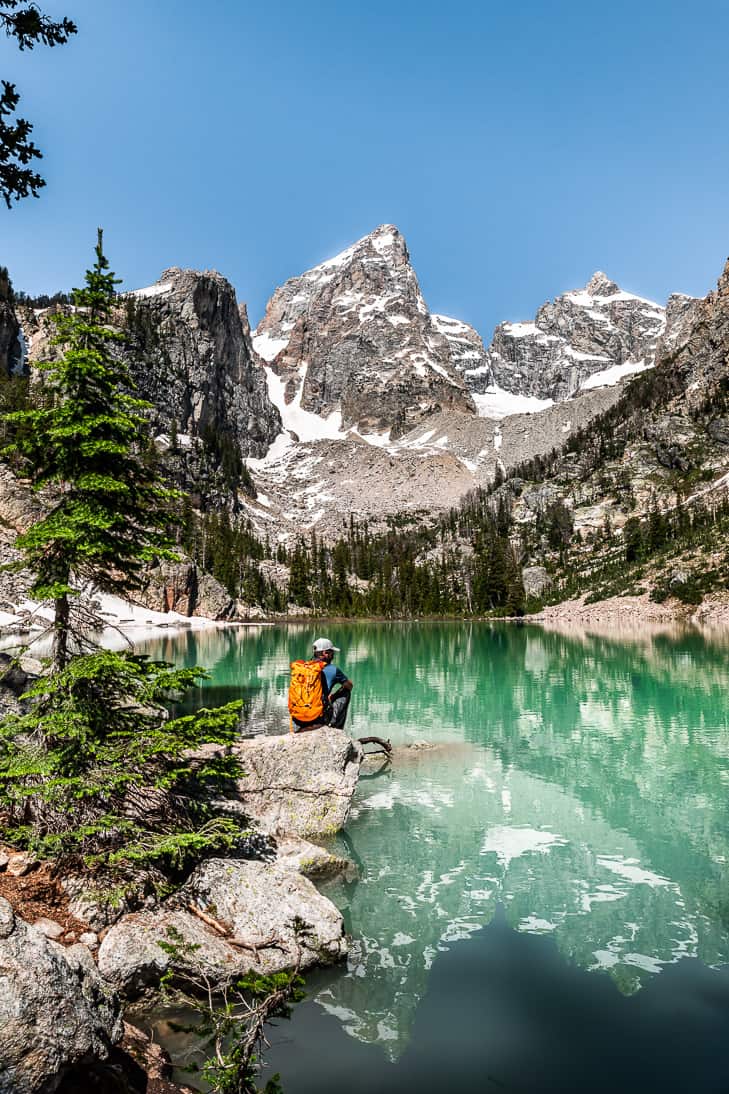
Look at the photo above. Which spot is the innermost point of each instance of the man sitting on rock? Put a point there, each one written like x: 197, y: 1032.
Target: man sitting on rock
x: 334, y: 704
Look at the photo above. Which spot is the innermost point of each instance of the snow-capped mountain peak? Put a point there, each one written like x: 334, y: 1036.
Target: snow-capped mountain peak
x: 581, y: 335
x: 354, y: 336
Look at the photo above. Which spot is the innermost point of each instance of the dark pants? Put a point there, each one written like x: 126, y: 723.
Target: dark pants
x: 339, y: 708
x: 335, y: 714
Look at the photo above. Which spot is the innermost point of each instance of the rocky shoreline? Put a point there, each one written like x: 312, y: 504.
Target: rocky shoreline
x: 68, y: 974
x: 631, y: 612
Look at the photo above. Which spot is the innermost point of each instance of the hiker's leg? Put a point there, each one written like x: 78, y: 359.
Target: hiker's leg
x: 306, y: 727
x: 340, y: 707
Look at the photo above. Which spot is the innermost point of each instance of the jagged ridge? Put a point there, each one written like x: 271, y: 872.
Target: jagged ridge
x: 353, y: 338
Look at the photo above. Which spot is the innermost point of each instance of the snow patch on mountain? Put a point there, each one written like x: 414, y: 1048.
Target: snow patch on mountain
x: 614, y: 375
x: 498, y: 403
x: 152, y: 290
x: 527, y: 330
x: 268, y: 347
x: 306, y: 426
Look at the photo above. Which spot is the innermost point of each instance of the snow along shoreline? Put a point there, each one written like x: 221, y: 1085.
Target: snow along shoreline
x: 123, y: 621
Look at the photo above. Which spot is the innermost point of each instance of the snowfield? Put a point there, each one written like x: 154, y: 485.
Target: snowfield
x: 498, y: 403
x: 610, y: 376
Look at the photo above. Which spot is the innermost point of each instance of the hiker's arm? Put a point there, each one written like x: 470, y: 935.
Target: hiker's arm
x: 344, y: 685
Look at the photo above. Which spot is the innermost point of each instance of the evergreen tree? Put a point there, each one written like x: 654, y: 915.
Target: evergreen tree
x: 515, y: 595
x: 299, y: 592
x: 109, y: 515
x: 495, y: 593
x: 96, y: 768
x: 657, y: 526
x: 633, y: 539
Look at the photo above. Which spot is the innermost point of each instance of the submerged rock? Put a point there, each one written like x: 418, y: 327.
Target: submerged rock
x: 55, y: 1011
x: 299, y: 784
x: 308, y: 859
x: 257, y: 901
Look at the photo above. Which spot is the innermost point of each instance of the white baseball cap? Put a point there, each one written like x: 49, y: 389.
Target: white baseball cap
x: 323, y: 644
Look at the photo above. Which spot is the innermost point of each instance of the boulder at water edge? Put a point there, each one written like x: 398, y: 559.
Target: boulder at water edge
x: 258, y: 901
x: 55, y: 1011
x: 301, y: 783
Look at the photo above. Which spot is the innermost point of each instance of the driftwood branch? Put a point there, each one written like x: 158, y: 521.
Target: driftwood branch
x: 209, y: 920
x: 225, y: 932
x: 385, y: 746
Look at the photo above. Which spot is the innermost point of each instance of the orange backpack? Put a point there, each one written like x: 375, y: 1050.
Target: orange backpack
x: 306, y: 694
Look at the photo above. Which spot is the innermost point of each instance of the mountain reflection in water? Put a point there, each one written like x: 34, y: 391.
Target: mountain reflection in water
x: 504, y: 1012
x: 579, y: 782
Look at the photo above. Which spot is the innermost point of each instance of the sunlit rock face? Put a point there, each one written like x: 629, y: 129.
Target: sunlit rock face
x: 682, y: 312
x: 467, y: 352
x: 191, y: 356
x: 354, y: 337
x: 696, y: 343
x: 575, y: 337
x: 258, y: 899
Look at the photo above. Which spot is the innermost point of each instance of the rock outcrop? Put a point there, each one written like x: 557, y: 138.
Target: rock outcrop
x: 695, y: 345
x: 575, y: 336
x: 353, y: 337
x: 294, y: 853
x: 295, y: 785
x: 11, y: 356
x: 194, y: 362
x: 19, y: 507
x: 682, y: 312
x: 55, y: 1011
x: 467, y: 351
x: 300, y: 784
x: 182, y: 587
x: 536, y: 580
x: 257, y: 901
x: 189, y: 354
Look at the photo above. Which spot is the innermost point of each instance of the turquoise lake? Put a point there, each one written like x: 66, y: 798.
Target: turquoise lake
x: 542, y: 897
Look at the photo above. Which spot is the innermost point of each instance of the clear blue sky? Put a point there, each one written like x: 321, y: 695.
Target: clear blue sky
x: 518, y: 146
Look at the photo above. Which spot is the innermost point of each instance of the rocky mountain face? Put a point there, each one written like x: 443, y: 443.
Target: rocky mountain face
x: 467, y: 352
x: 659, y: 453
x: 696, y: 341
x: 189, y: 353
x: 429, y: 469
x: 574, y: 337
x: 350, y: 347
x: 351, y: 398
x: 353, y: 337
x: 682, y: 312
x: 10, y: 346
x: 191, y: 356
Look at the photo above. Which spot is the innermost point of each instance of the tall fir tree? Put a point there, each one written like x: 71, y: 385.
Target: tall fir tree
x: 95, y: 770
x: 110, y: 513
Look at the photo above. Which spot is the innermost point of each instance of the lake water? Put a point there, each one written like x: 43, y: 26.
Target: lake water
x: 542, y: 900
